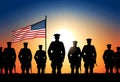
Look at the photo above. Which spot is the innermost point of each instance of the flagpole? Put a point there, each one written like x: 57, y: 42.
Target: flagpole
x: 46, y: 33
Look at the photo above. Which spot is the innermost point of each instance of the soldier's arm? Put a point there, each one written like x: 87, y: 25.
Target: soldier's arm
x: 35, y: 56
x: 50, y: 48
x: 30, y: 55
x: 69, y: 53
x: 63, y: 50
x: 79, y: 53
x: 50, y: 51
x: 94, y: 51
x: 14, y: 54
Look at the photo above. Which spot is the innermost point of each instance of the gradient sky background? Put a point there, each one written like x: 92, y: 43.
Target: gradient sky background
x: 73, y: 19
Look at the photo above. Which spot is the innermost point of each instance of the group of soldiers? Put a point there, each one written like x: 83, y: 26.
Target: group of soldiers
x: 56, y: 54
x: 111, y: 59
x: 8, y: 59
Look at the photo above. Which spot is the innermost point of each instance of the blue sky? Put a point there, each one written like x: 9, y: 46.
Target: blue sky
x: 18, y: 13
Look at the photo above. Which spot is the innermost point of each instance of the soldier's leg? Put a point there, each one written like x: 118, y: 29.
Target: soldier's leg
x: 91, y: 67
x: 59, y: 66
x: 23, y: 69
x: 107, y: 68
x: 77, y: 68
x: 43, y: 69
x: 38, y: 69
x: 72, y: 68
x: 86, y: 68
x: 111, y: 69
x: 53, y: 65
x: 10, y: 69
x: 6, y: 70
x: 27, y: 69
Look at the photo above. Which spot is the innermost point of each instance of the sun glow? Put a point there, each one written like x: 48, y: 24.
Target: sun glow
x: 66, y: 37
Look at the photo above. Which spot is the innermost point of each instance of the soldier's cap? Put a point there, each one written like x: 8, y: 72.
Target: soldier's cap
x: 88, y: 39
x: 74, y: 41
x: 9, y: 42
x: 57, y: 35
x: 118, y: 48
x: 25, y: 43
x: 108, y: 44
x: 40, y: 45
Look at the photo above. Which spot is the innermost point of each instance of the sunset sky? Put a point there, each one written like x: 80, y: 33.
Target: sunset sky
x: 73, y: 19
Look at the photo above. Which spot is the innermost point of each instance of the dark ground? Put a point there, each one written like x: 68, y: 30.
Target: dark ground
x: 62, y: 77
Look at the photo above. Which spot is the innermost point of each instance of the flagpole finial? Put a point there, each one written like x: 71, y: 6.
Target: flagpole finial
x: 45, y: 17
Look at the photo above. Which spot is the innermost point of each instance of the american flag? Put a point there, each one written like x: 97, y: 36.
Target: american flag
x: 37, y: 30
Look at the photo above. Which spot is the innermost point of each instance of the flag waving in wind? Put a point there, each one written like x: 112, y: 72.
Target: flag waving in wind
x: 37, y: 30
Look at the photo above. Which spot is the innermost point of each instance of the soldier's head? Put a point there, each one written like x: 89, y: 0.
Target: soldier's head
x: 25, y: 44
x: 89, y: 40
x: 57, y: 36
x: 9, y: 44
x: 74, y: 43
x: 40, y: 47
x: 118, y: 48
x: 109, y: 46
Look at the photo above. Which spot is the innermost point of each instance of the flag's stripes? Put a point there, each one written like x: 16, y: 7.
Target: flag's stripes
x: 29, y: 32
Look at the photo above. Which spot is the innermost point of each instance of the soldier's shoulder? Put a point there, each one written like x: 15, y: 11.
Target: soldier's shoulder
x: 52, y: 42
x: 85, y: 45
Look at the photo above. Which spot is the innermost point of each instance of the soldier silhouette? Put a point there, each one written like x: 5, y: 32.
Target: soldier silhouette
x: 56, y: 53
x: 74, y: 56
x: 40, y: 58
x: 25, y: 57
x: 9, y: 58
x: 89, y: 56
x: 117, y: 60
x: 108, y: 57
x: 1, y: 61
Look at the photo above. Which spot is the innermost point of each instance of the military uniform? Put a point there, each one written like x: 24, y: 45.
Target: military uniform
x: 89, y: 56
x: 25, y: 57
x: 108, y: 57
x: 40, y: 58
x: 56, y: 52
x: 74, y: 56
x: 9, y: 58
